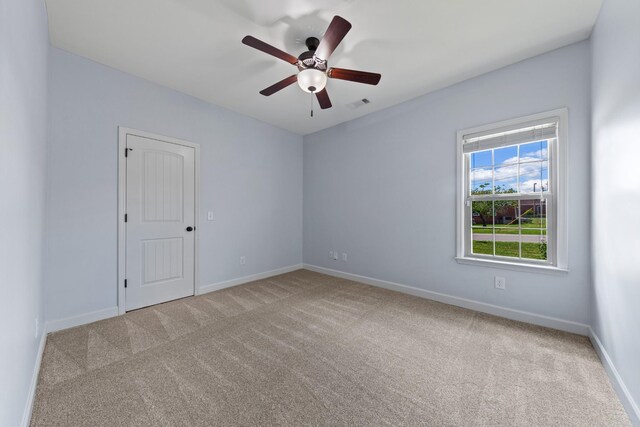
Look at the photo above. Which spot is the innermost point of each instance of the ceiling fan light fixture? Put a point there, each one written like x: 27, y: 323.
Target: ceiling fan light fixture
x: 312, y: 80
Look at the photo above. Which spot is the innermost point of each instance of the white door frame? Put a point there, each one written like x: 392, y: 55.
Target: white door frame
x: 122, y: 198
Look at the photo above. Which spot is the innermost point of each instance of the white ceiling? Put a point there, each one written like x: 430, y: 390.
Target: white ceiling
x: 417, y: 45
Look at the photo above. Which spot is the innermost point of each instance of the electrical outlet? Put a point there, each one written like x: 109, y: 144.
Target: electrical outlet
x: 210, y: 216
x: 500, y: 282
x: 344, y: 256
x: 330, y: 254
x: 243, y: 260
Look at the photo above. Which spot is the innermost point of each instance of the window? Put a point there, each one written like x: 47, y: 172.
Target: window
x: 511, y: 201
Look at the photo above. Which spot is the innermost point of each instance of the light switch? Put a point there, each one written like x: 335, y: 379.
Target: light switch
x: 210, y: 216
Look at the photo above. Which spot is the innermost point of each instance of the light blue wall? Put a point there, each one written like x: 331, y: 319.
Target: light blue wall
x: 382, y: 188
x: 23, y: 133
x: 251, y: 178
x: 616, y: 189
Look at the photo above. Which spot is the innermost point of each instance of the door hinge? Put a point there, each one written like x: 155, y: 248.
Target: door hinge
x: 125, y: 217
x: 125, y: 283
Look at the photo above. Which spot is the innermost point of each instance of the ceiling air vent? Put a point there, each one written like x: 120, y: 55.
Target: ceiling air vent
x: 359, y: 103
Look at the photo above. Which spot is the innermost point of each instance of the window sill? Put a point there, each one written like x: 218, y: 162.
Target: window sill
x: 545, y: 269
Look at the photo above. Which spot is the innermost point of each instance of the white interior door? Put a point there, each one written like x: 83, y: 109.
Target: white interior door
x: 160, y: 221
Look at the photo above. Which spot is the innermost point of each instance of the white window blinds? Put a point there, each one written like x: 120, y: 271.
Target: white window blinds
x: 519, y: 134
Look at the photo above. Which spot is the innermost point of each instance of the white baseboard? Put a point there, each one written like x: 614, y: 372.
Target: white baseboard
x: 94, y: 316
x: 28, y: 409
x: 616, y: 380
x: 80, y: 319
x: 247, y: 279
x: 496, y: 310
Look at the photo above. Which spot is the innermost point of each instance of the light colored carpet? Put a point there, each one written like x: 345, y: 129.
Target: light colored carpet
x: 309, y: 349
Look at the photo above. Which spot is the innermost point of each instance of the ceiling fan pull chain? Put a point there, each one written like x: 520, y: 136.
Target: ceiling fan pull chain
x: 311, y: 104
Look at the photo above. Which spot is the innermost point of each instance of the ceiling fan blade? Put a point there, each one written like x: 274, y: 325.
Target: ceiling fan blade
x: 279, y: 86
x: 323, y: 99
x: 267, y: 48
x: 354, y: 75
x: 338, y: 28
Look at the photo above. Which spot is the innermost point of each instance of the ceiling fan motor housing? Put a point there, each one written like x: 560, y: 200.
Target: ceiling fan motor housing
x: 308, y: 60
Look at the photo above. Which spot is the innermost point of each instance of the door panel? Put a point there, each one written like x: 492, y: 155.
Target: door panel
x: 162, y: 198
x: 160, y: 206
x: 162, y: 260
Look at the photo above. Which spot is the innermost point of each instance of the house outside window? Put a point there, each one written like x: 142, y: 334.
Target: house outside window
x: 512, y: 193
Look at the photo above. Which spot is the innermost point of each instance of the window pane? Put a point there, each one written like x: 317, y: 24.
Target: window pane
x: 506, y: 213
x: 534, y: 247
x: 482, y: 214
x: 508, y: 248
x: 533, y: 151
x: 482, y: 228
x: 506, y: 155
x: 534, y: 213
x: 481, y: 179
x: 483, y: 247
x: 481, y: 159
x: 534, y: 229
x: 506, y: 229
x: 506, y: 179
x: 534, y: 177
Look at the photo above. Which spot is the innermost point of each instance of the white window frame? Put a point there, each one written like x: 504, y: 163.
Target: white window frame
x: 557, y: 224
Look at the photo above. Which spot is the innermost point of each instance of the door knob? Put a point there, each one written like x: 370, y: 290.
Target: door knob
x: 190, y: 228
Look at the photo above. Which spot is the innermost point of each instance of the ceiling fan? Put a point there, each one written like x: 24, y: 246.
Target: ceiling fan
x: 313, y: 69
